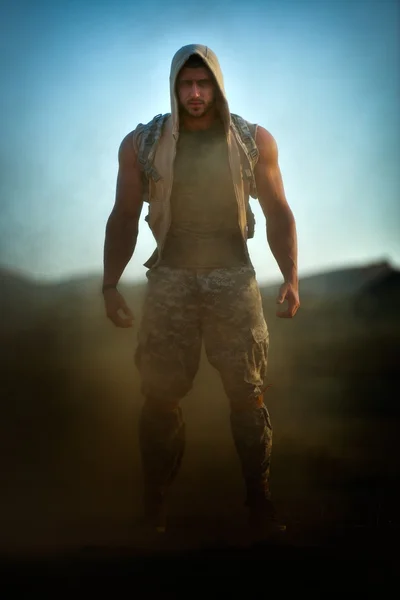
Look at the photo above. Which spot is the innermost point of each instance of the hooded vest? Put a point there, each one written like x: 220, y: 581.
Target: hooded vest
x: 159, y: 193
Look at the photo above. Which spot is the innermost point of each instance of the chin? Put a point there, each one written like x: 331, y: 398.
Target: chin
x: 196, y: 111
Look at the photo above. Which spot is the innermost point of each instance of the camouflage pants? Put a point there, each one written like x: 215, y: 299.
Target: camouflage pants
x: 182, y: 309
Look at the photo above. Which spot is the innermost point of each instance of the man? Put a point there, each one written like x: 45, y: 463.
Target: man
x: 201, y: 283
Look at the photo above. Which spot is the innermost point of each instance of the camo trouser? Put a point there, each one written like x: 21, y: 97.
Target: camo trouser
x: 181, y: 309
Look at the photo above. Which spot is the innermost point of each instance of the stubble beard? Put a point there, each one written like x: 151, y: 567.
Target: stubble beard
x: 201, y: 111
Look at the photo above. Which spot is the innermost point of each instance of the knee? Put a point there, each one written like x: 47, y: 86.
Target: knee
x: 160, y: 404
x: 251, y: 416
x: 242, y: 404
x: 165, y: 388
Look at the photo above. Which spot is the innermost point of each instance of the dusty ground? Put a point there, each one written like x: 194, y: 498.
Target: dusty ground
x: 70, y: 473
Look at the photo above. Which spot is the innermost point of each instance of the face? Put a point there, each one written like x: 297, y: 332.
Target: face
x: 196, y: 91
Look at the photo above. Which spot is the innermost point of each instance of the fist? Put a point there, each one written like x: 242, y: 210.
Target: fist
x: 290, y: 293
x: 117, y: 309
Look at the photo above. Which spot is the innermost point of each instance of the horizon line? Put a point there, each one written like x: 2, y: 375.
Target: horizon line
x: 19, y: 272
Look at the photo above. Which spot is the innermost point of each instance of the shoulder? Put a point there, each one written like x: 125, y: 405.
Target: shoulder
x: 243, y: 124
x: 133, y: 142
x: 127, y: 151
x: 151, y: 130
x: 266, y: 145
x: 264, y: 140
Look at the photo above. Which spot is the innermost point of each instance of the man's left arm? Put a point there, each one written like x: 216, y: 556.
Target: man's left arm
x: 281, y: 226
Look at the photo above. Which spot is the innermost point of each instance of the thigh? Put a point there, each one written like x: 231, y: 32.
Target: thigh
x: 169, y: 338
x: 235, y: 331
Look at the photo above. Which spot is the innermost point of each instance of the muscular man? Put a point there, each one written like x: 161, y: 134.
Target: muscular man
x: 201, y: 282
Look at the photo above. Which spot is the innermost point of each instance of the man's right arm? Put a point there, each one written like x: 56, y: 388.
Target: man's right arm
x: 123, y: 223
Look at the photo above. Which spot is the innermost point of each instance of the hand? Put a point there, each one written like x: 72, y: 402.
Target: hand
x: 117, y: 309
x: 289, y: 292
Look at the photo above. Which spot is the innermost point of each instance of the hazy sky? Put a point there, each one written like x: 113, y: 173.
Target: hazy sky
x: 77, y: 75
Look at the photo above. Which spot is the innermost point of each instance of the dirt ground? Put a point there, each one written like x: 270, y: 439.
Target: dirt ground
x: 70, y: 472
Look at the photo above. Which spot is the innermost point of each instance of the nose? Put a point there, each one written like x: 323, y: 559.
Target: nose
x: 195, y: 90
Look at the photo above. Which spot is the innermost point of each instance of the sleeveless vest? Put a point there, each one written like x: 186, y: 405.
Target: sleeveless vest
x: 158, y: 169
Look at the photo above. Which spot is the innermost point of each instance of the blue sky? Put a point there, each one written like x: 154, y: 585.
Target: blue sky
x: 322, y: 77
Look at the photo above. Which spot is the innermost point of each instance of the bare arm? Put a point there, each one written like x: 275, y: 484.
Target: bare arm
x: 123, y: 223
x: 281, y: 226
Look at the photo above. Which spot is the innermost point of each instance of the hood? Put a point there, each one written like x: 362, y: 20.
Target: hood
x: 212, y: 63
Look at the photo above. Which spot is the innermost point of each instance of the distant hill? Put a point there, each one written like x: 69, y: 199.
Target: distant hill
x: 342, y: 282
x: 23, y: 298
x: 73, y: 309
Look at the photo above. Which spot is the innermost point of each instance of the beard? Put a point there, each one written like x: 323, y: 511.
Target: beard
x: 197, y: 111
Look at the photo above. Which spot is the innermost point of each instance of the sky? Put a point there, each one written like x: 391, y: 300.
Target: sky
x: 78, y: 75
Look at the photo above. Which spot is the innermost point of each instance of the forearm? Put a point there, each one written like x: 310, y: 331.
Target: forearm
x: 282, y: 239
x: 120, y: 243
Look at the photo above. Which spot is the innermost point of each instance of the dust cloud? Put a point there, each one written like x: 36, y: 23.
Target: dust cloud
x: 70, y: 402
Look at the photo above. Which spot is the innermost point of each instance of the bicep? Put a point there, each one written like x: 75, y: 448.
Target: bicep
x: 129, y: 188
x: 270, y: 189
